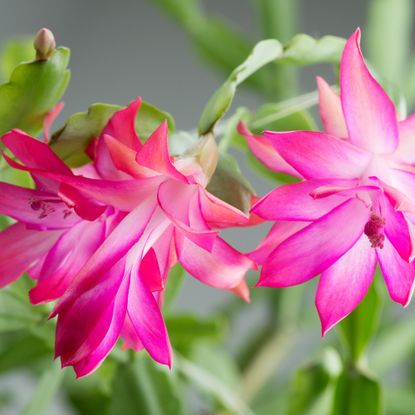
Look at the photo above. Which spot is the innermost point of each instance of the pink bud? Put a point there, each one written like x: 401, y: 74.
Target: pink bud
x: 44, y: 44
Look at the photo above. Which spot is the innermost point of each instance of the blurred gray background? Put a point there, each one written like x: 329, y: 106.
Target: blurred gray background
x: 125, y: 48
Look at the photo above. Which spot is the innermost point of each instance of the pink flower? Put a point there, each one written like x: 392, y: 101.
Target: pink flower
x: 167, y: 216
x: 355, y: 205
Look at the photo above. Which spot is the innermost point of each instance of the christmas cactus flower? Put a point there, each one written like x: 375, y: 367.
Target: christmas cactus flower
x: 157, y: 212
x: 354, y: 206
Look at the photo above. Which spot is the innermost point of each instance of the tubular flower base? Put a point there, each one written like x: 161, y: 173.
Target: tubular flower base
x: 106, y: 236
x: 354, y: 206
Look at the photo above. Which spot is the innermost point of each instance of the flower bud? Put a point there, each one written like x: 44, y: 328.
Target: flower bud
x: 207, y: 155
x: 44, y: 44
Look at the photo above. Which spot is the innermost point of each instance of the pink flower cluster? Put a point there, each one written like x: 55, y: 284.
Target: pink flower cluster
x: 100, y: 240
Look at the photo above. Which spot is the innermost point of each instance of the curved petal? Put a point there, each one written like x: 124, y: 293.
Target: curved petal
x: 92, y: 361
x: 145, y: 315
x: 124, y: 158
x: 155, y: 154
x: 370, y: 114
x: 218, y: 213
x: 265, y: 152
x: 122, y: 125
x: 320, y: 156
x: 398, y: 274
x: 295, y: 202
x: 344, y: 285
x: 174, y: 199
x: 279, y: 232
x: 223, y: 267
x: 115, y: 246
x: 84, y: 324
x: 65, y: 260
x: 315, y: 247
x: 21, y: 248
x: 33, y: 153
x: 331, y: 112
x: 397, y: 230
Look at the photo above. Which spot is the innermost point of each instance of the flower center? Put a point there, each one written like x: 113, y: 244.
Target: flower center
x: 47, y: 206
x: 374, y: 230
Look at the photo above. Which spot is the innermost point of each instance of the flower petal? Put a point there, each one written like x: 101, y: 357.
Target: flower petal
x: 144, y: 313
x: 398, y: 274
x: 92, y: 361
x: 279, y: 232
x: 85, y: 322
x: 218, y: 213
x: 331, y: 112
x: 223, y: 267
x: 117, y: 244
x: 344, y: 285
x: 315, y: 247
x: 265, y: 152
x: 370, y: 114
x: 21, y: 248
x: 155, y: 154
x: 320, y: 156
x: 294, y: 202
x: 65, y: 260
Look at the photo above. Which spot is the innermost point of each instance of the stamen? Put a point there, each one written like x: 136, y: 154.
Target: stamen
x: 374, y: 230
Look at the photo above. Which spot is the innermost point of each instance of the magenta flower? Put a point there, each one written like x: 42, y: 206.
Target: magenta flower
x: 164, y: 215
x: 355, y: 205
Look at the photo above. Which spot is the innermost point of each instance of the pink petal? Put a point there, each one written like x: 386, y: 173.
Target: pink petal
x: 344, y: 285
x: 405, y: 153
x: 370, y: 114
x: 146, y: 318
x: 33, y: 153
x: 122, y: 125
x: 265, y: 152
x: 279, y: 232
x: 331, y: 112
x: 123, y: 194
x: 320, y: 156
x: 294, y: 202
x: 117, y: 244
x: 130, y: 336
x: 174, y: 199
x: 219, y: 214
x: 124, y: 158
x: 315, y: 247
x: 65, y: 260
x: 92, y: 361
x: 84, y: 324
x: 155, y: 154
x: 122, y: 128
x: 397, y: 230
x: 21, y: 248
x: 223, y: 267
x: 398, y: 274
